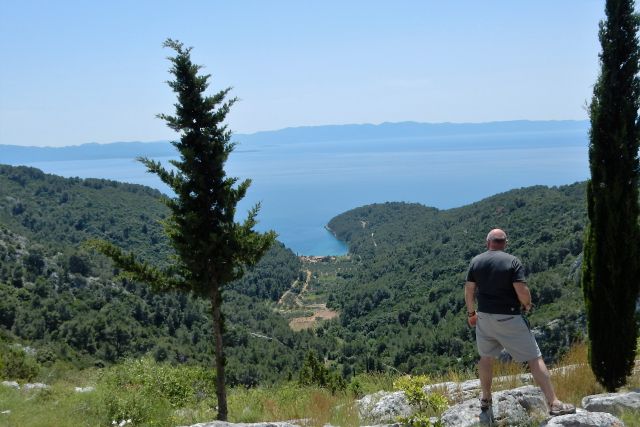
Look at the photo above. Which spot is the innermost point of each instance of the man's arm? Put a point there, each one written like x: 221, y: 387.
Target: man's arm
x: 524, y: 295
x: 470, y: 296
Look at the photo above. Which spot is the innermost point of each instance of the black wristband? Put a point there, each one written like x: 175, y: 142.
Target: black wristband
x: 471, y: 313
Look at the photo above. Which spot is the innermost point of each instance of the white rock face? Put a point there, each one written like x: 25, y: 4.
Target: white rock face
x: 384, y: 407
x: 584, y: 418
x: 456, y: 391
x: 469, y: 389
x: 510, y: 407
x: 613, y: 403
x: 466, y: 414
x: 35, y: 386
x: 84, y: 389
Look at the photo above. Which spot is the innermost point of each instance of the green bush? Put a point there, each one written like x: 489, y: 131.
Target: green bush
x: 15, y: 364
x: 313, y: 372
x: 355, y: 387
x: 427, y: 404
x: 143, y: 390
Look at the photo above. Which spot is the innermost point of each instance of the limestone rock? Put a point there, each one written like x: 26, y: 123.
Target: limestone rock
x: 84, y: 389
x: 466, y: 414
x: 35, y: 386
x: 12, y: 384
x: 469, y: 389
x: 510, y: 407
x: 384, y: 407
x: 613, y: 403
x: 529, y: 397
x: 455, y: 391
x: 584, y: 418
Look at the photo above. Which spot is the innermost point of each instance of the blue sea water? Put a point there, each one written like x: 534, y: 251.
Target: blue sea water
x: 302, y: 186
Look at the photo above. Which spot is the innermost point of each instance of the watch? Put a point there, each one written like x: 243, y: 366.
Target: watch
x: 471, y: 313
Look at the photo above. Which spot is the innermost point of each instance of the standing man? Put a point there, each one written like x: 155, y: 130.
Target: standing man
x: 497, y: 279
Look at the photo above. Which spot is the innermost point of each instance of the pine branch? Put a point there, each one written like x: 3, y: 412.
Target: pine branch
x: 159, y: 280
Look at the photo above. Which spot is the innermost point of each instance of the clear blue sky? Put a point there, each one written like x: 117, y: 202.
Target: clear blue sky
x: 85, y: 71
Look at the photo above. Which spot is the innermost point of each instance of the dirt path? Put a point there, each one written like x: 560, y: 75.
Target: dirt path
x: 320, y: 311
x: 298, y: 298
x: 307, y: 280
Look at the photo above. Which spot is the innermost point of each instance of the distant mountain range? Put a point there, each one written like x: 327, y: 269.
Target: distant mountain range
x: 13, y: 154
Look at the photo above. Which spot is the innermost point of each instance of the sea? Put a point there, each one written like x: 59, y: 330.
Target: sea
x: 301, y: 186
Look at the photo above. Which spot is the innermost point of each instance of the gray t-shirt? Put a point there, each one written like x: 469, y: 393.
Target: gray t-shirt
x: 494, y: 273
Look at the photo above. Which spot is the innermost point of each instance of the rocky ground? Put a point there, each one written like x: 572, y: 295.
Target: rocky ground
x: 521, y: 406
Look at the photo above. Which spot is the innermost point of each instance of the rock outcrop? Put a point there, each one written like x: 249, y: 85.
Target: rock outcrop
x: 613, y: 403
x: 584, y: 418
x: 26, y: 387
x: 520, y: 406
x: 510, y: 407
x: 35, y: 386
x: 384, y: 407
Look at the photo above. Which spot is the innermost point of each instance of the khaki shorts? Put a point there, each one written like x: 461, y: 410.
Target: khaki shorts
x: 509, y: 331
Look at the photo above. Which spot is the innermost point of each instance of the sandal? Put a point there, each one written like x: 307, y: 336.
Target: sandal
x: 561, y: 408
x: 485, y: 404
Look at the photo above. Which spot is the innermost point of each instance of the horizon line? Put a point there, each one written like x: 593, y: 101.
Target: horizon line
x: 307, y: 127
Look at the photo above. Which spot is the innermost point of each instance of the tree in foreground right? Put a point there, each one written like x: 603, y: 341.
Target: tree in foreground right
x: 611, y: 266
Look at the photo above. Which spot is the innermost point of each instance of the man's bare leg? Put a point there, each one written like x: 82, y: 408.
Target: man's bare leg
x: 543, y: 378
x: 485, y: 372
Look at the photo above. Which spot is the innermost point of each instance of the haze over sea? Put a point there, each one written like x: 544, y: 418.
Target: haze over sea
x: 305, y: 176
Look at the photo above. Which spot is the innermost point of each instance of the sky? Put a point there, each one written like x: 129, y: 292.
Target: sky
x: 73, y: 72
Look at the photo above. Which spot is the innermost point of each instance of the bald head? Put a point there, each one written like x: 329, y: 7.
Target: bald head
x: 496, y: 240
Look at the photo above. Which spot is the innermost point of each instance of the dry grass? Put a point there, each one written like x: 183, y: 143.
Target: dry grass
x: 574, y: 379
x: 316, y: 406
x: 455, y: 376
x: 507, y: 375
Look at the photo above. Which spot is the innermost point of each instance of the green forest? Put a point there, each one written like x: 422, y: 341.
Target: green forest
x: 398, y: 293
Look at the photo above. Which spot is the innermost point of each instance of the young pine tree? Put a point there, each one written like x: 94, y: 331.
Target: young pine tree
x: 212, y: 249
x: 611, y: 265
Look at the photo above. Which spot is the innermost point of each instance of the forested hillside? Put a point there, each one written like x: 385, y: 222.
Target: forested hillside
x: 405, y: 305
x: 398, y: 292
x: 64, y: 300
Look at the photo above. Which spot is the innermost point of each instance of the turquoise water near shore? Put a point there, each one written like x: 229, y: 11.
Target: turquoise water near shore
x: 302, y: 186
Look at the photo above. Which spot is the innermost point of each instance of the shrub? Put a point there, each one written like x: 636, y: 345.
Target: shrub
x: 142, y: 390
x: 15, y: 364
x: 427, y: 404
x: 355, y: 387
x: 313, y: 372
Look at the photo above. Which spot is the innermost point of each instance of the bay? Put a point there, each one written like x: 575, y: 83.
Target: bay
x: 301, y: 186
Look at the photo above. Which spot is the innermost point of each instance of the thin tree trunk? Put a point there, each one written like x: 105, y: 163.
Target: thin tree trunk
x: 218, y: 328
